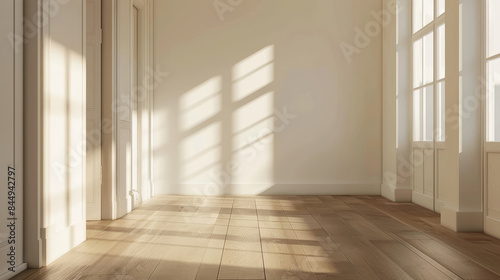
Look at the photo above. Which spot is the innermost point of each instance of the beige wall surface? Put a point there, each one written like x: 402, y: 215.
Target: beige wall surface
x: 268, y: 97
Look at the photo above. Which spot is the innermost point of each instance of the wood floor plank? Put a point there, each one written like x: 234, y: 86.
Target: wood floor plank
x: 133, y: 259
x: 410, y: 262
x: 287, y: 266
x: 316, y: 243
x: 333, y: 266
x: 179, y: 262
x: 209, y: 266
x: 238, y: 264
x: 282, y: 241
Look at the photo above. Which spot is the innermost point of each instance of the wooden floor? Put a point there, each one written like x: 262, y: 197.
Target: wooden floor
x: 288, y: 237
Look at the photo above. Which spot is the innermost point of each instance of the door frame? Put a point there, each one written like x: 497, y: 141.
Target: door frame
x: 117, y: 191
x: 491, y: 225
x: 137, y: 59
x: 432, y: 201
x: 97, y: 77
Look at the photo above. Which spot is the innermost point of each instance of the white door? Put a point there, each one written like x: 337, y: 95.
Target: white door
x: 492, y: 145
x: 136, y: 112
x: 428, y: 103
x: 94, y: 168
x: 11, y: 142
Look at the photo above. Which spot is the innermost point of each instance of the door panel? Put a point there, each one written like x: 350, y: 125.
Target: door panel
x: 492, y: 189
x: 418, y: 171
x: 439, y: 193
x: 428, y: 172
x: 493, y: 186
x: 423, y: 174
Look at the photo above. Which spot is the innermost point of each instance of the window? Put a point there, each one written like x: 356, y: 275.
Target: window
x: 428, y: 70
x: 493, y: 70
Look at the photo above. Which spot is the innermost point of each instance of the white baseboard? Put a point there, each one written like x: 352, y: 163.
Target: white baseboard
x: 57, y: 243
x: 462, y: 221
x: 423, y: 200
x: 439, y: 204
x: 123, y: 205
x: 272, y: 189
x: 9, y: 274
x: 396, y: 194
x: 492, y: 227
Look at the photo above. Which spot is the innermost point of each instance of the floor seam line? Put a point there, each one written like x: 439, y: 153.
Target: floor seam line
x: 225, y: 239
x: 260, y: 239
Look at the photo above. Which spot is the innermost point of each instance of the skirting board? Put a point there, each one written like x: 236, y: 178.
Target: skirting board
x: 492, y: 227
x: 269, y: 189
x: 9, y: 274
x: 439, y: 204
x: 423, y: 200
x: 57, y: 243
x: 462, y: 221
x: 396, y: 194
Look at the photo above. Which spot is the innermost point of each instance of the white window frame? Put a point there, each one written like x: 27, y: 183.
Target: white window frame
x: 420, y: 34
x: 490, y: 129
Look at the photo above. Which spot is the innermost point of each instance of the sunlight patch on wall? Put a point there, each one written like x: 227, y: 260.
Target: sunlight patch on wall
x: 252, y: 122
x: 200, y: 104
x: 65, y: 133
x: 200, y: 153
x: 253, y: 73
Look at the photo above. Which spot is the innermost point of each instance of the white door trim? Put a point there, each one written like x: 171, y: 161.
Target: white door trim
x: 94, y: 119
x: 118, y: 188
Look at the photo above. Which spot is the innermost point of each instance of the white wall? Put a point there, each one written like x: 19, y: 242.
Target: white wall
x: 233, y: 72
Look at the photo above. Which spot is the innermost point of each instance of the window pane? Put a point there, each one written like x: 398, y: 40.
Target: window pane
x: 417, y: 115
x: 440, y: 7
x: 441, y: 52
x: 428, y: 58
x: 493, y: 100
x: 417, y: 15
x: 428, y: 111
x: 428, y: 11
x: 417, y: 63
x: 493, y: 27
x: 440, y: 114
